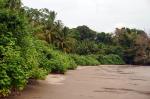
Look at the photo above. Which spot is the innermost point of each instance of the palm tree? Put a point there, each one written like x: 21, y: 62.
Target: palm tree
x: 64, y: 41
x: 49, y: 27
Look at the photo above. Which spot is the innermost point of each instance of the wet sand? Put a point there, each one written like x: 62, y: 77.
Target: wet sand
x: 100, y: 82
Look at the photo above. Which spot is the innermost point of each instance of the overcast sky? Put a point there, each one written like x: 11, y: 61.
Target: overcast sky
x: 100, y: 15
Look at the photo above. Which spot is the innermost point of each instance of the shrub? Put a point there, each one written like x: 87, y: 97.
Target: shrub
x: 13, y: 74
x: 61, y: 62
x: 39, y: 73
x: 18, y: 55
x: 110, y: 59
x: 85, y: 60
x: 72, y: 63
x: 44, y: 54
x: 52, y: 60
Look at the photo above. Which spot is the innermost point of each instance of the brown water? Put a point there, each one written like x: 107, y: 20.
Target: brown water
x: 102, y: 82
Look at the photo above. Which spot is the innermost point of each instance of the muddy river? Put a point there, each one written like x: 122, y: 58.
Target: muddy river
x: 101, y: 82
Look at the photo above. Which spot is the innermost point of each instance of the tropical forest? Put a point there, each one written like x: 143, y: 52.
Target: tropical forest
x: 34, y: 44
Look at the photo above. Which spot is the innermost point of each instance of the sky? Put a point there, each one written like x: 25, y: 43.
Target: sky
x: 100, y: 15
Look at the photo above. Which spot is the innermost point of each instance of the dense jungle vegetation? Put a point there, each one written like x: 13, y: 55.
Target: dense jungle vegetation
x: 33, y: 44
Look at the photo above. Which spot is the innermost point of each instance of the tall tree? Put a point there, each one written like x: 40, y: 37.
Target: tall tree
x: 105, y: 38
x: 86, y: 33
x: 13, y: 4
x: 64, y: 41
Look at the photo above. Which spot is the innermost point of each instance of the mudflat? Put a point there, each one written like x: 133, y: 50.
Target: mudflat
x: 93, y: 82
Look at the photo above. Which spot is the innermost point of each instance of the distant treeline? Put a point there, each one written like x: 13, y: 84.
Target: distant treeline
x: 132, y: 45
x: 33, y: 44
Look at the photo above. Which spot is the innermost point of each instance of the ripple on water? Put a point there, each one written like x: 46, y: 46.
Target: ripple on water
x: 122, y: 90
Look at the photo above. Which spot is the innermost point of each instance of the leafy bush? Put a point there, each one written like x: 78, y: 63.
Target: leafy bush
x: 72, y: 63
x: 17, y: 65
x: 110, y: 59
x: 85, y: 60
x: 18, y: 55
x: 52, y: 60
x: 13, y: 74
x: 44, y: 54
x: 39, y: 73
x: 61, y: 62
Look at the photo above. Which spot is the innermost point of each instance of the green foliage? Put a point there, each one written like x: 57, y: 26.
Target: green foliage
x: 39, y: 73
x: 110, y: 59
x: 64, y: 41
x: 52, y: 60
x: 72, y: 63
x: 86, y: 47
x: 105, y: 38
x: 12, y: 71
x: 85, y: 60
x: 43, y: 54
x: 135, y: 45
x: 85, y: 33
x: 18, y: 56
x: 60, y: 62
x: 91, y: 60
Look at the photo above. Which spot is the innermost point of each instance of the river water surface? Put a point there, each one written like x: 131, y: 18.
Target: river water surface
x: 100, y: 82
